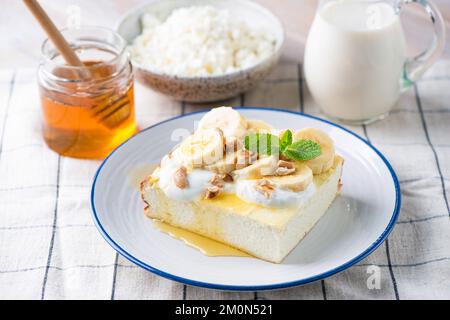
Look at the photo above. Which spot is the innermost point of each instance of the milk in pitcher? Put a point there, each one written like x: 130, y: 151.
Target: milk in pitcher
x: 354, y: 59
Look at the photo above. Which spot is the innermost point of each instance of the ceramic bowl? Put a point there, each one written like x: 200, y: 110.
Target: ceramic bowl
x: 200, y: 88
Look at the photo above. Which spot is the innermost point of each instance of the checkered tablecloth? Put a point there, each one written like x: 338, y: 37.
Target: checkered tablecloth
x: 50, y: 249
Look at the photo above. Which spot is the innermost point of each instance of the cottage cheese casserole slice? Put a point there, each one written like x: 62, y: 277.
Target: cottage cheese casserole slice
x: 246, y: 184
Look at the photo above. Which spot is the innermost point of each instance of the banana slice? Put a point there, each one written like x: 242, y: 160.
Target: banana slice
x: 225, y: 165
x: 204, y: 147
x: 259, y: 126
x: 232, y: 124
x: 258, y: 169
x: 298, y: 181
x: 325, y: 161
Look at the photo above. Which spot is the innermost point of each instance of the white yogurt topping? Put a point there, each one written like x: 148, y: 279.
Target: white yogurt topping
x: 198, y: 181
x: 245, y: 189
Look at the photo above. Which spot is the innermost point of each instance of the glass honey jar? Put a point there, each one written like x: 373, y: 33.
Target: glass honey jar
x: 87, y: 111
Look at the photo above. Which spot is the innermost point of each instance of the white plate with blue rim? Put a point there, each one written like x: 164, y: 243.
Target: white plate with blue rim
x: 358, y: 221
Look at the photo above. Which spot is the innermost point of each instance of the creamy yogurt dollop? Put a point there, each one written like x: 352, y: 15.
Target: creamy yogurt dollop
x: 198, y: 181
x: 245, y: 190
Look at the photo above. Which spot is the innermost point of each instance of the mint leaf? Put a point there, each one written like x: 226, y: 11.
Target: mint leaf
x: 303, y: 150
x: 262, y: 143
x: 286, y: 140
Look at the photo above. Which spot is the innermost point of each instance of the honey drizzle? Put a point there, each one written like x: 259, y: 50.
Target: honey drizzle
x: 205, y: 245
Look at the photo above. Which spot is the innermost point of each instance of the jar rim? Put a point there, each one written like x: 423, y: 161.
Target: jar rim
x: 48, y: 53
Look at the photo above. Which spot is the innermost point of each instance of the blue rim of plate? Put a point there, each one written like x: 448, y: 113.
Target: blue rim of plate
x: 282, y: 285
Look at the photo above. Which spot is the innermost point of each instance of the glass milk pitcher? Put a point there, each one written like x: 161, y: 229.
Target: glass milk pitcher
x: 355, y: 57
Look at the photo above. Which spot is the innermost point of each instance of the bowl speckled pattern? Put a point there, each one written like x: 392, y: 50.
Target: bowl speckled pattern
x: 205, y: 89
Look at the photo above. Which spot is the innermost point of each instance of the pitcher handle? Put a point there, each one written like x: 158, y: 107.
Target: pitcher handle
x: 416, y: 66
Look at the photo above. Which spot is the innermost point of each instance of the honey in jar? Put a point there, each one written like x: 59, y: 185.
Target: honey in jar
x: 87, y: 111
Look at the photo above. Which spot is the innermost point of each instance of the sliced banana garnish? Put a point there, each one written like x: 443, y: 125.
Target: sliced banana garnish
x: 232, y: 124
x: 203, y: 148
x: 259, y: 126
x: 225, y: 165
x: 297, y: 181
x: 258, y: 169
x: 325, y: 161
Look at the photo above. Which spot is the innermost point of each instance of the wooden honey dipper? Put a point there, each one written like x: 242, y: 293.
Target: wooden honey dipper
x: 109, y: 113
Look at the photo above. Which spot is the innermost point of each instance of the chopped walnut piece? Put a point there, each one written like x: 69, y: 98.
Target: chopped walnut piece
x: 286, y: 164
x: 266, y: 183
x: 217, y: 183
x: 284, y: 168
x: 227, y: 177
x: 180, y: 178
x: 217, y: 180
x: 265, y: 187
x: 220, y: 178
x: 211, y: 192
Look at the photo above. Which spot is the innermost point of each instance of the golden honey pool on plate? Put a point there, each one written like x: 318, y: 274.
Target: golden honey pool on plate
x: 245, y: 184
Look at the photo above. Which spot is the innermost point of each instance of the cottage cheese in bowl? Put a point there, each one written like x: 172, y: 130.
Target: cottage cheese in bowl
x: 204, y: 50
x: 200, y: 41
